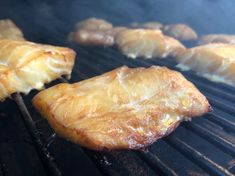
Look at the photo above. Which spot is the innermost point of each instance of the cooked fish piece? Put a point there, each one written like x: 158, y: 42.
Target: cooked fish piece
x: 8, y: 30
x: 94, y: 24
x: 213, y: 61
x: 148, y: 25
x: 26, y: 65
x: 127, y: 108
x: 180, y: 32
x: 95, y: 37
x: 147, y: 43
x: 217, y: 38
x: 95, y: 31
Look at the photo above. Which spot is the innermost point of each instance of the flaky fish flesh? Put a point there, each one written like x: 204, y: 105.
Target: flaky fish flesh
x: 214, y: 61
x: 26, y: 65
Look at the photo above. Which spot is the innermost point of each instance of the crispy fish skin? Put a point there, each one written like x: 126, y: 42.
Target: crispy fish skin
x: 127, y: 108
x: 8, y: 30
x: 147, y: 43
x: 217, y: 38
x: 180, y: 32
x: 26, y: 65
x: 214, y: 61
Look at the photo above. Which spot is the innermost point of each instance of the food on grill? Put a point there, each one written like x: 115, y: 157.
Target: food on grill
x: 94, y: 24
x: 147, y: 43
x: 95, y: 31
x: 127, y: 108
x: 180, y: 32
x: 96, y: 37
x: 217, y: 38
x: 214, y: 61
x: 8, y: 30
x: 26, y: 65
x: 148, y: 25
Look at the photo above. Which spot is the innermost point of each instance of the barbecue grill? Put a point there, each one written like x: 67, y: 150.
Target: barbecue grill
x: 28, y: 146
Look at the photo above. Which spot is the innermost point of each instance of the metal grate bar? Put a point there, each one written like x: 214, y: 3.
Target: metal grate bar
x: 156, y: 163
x: 46, y: 158
x: 226, y: 124
x: 222, y: 143
x: 197, y: 157
x: 3, y: 171
x: 50, y: 140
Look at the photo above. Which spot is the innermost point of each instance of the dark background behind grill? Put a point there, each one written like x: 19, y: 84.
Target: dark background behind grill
x: 50, y: 22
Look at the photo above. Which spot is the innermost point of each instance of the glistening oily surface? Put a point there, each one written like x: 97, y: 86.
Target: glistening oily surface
x: 26, y: 65
x: 214, y: 61
x: 127, y: 108
x: 147, y: 43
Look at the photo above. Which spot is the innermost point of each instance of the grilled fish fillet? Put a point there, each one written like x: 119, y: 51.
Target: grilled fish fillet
x: 94, y: 24
x: 95, y: 37
x: 8, y: 30
x: 213, y: 61
x: 217, y: 38
x: 147, y: 43
x: 93, y: 31
x: 148, y: 25
x: 127, y: 108
x: 180, y: 32
x: 26, y: 65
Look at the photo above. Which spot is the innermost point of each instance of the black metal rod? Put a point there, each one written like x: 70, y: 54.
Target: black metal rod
x: 226, y: 124
x: 156, y: 163
x: 220, y: 142
x: 46, y: 158
x: 197, y: 157
x: 50, y: 140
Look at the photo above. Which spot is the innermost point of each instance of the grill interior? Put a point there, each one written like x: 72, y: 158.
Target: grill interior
x: 204, y: 146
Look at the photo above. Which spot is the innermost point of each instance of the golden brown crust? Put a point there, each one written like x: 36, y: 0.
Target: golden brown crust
x: 147, y: 43
x: 127, y: 108
x: 8, y: 30
x: 180, y: 32
x: 26, y: 65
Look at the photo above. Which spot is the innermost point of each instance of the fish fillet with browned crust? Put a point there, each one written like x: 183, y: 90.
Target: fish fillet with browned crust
x: 26, y: 65
x: 147, y: 43
x: 127, y: 108
x: 94, y: 32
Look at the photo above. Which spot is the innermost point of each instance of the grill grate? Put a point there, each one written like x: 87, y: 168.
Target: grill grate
x: 215, y: 130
